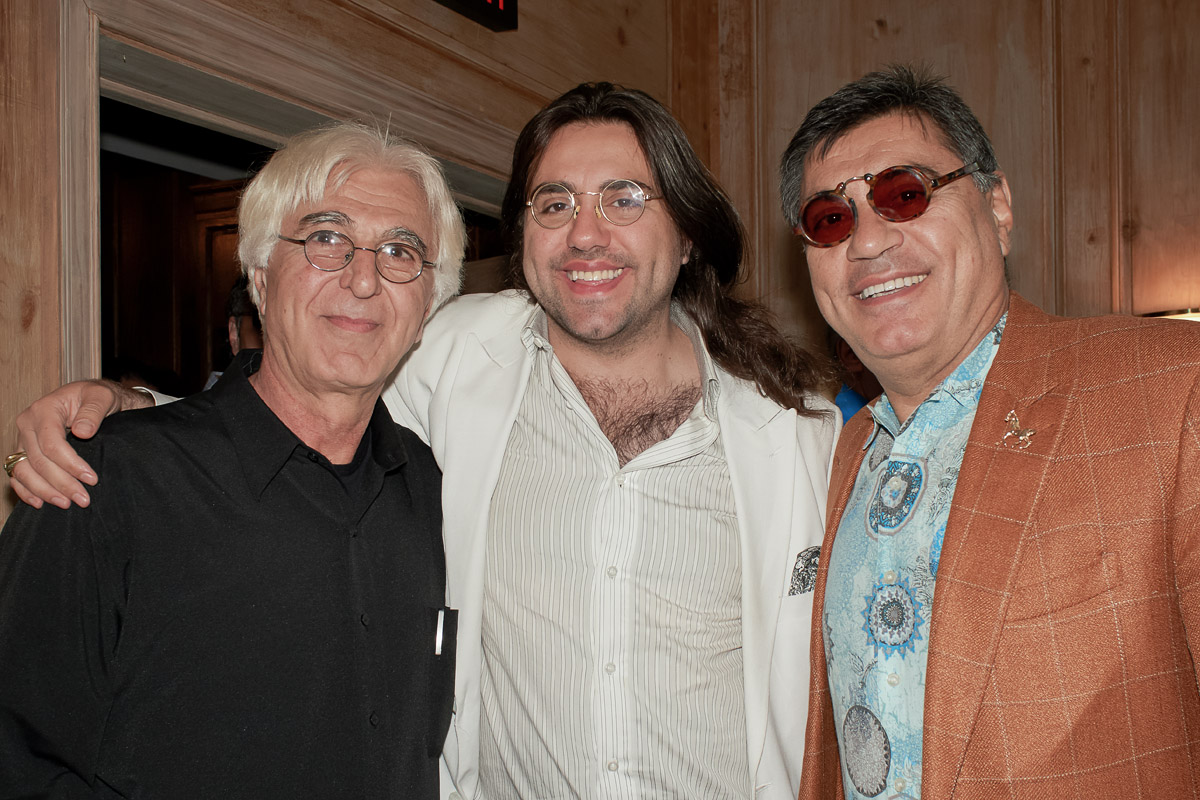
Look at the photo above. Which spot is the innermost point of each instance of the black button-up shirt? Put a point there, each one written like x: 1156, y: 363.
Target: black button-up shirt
x: 233, y: 616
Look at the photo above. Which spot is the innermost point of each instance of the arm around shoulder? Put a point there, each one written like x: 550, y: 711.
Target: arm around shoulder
x: 52, y: 471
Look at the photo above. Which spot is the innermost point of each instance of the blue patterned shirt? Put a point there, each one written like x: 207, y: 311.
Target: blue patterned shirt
x: 882, y: 569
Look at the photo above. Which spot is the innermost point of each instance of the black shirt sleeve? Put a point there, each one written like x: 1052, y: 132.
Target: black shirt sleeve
x: 59, y: 623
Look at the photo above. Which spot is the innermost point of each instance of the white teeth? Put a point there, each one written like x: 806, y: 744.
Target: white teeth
x: 596, y: 275
x: 890, y: 286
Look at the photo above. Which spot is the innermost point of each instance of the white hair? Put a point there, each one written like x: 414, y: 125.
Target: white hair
x: 319, y: 161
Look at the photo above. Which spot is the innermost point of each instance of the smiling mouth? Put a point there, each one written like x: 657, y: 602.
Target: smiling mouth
x: 353, y: 324
x: 596, y: 275
x: 890, y: 286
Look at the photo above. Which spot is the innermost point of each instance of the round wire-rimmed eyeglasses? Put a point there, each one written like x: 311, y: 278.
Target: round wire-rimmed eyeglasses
x: 330, y: 251
x: 897, y: 194
x: 621, y: 202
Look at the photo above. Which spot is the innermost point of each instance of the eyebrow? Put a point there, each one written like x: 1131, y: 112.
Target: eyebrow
x: 317, y: 217
x: 571, y: 187
x: 399, y: 234
x: 405, y: 236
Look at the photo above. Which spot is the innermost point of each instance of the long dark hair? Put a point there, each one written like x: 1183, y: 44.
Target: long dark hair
x: 741, y: 336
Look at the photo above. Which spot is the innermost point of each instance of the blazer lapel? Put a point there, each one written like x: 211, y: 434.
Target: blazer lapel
x: 753, y: 434
x: 822, y: 765
x: 995, y: 504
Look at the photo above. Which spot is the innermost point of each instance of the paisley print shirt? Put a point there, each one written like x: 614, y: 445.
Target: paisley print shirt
x: 881, y: 577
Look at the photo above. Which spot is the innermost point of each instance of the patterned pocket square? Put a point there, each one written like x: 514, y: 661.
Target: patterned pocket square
x: 804, y: 574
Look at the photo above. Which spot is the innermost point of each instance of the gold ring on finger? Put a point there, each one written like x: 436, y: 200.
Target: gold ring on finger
x: 13, y: 460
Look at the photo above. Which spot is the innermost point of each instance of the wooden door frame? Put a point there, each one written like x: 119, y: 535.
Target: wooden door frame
x: 98, y: 37
x: 79, y: 190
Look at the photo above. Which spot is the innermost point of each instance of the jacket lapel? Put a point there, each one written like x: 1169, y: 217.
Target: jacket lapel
x: 764, y: 486
x: 995, y: 504
x: 822, y: 765
x: 473, y: 414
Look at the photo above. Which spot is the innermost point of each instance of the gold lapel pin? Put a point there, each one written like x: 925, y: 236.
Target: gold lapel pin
x: 1021, y: 437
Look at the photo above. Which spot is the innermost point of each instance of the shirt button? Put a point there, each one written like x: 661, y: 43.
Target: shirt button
x: 611, y: 572
x: 889, y: 577
x: 610, y: 668
x: 365, y: 620
x: 901, y: 784
x: 893, y: 679
x: 312, y: 456
x: 373, y: 719
x: 621, y: 479
x: 612, y: 766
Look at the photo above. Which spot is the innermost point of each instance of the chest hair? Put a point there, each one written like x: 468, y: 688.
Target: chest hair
x: 633, y: 416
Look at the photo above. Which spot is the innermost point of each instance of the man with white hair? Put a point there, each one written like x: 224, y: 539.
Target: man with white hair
x: 254, y: 606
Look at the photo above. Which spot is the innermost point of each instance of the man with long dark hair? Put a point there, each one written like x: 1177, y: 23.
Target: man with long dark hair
x: 636, y: 462
x: 635, y: 467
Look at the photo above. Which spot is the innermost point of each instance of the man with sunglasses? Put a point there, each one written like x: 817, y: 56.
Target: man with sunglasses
x: 1009, y: 605
x: 635, y: 469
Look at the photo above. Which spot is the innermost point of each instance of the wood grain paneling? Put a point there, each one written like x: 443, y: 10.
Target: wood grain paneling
x: 1085, y: 154
x: 456, y: 87
x: 29, y: 209
x: 1091, y: 104
x: 78, y: 189
x: 1163, y: 158
x: 714, y: 96
x: 995, y: 55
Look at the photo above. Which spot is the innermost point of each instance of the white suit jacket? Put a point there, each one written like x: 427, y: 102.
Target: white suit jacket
x: 460, y: 390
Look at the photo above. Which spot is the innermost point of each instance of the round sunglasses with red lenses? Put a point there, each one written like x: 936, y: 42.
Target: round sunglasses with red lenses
x: 897, y: 194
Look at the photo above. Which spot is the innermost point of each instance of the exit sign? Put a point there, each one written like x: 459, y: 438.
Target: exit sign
x: 499, y: 15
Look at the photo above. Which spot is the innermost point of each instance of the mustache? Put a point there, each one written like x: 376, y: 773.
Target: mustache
x: 616, y: 259
x: 881, y: 266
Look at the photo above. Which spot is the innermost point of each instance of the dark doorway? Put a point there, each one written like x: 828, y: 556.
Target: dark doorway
x: 168, y: 208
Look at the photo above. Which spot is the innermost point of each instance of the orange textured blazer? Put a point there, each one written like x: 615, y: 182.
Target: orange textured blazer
x: 1066, y: 616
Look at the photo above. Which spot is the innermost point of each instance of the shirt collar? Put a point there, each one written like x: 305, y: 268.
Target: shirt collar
x: 535, y: 337
x: 708, y: 372
x: 963, y: 385
x: 264, y: 444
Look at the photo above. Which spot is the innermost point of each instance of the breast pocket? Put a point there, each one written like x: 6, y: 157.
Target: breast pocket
x: 804, y: 572
x: 1065, y: 589
x: 442, y: 665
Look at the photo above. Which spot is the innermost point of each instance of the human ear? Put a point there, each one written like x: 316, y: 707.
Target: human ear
x: 1001, y: 201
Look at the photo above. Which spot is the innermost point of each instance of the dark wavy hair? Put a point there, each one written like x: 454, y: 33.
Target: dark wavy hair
x: 898, y: 89
x: 740, y: 336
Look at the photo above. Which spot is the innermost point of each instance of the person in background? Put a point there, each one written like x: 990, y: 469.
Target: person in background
x: 244, y: 329
x: 859, y: 386
x: 252, y: 605
x: 1009, y: 602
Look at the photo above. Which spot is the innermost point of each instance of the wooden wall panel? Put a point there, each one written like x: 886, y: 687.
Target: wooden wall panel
x: 1087, y: 240
x: 29, y: 210
x: 1163, y: 226
x: 996, y: 56
x: 1091, y: 104
x: 714, y: 77
x: 456, y: 87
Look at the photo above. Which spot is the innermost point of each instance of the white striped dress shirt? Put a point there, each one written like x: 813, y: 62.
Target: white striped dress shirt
x: 612, y: 620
